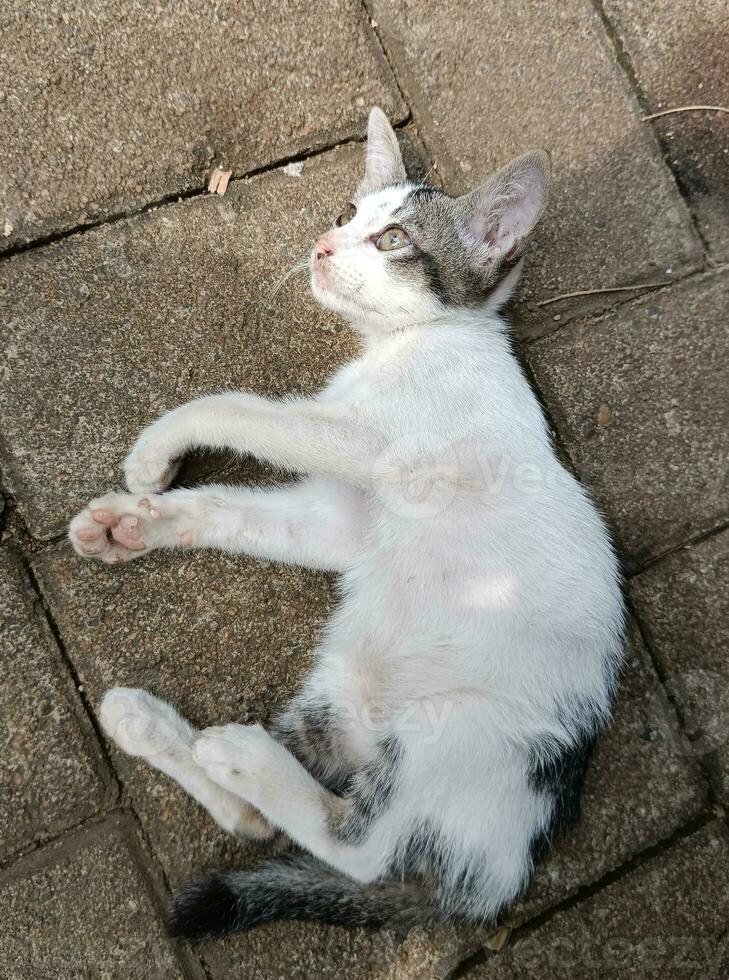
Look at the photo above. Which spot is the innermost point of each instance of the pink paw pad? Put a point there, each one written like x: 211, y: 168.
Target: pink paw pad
x: 89, y: 533
x: 126, y: 532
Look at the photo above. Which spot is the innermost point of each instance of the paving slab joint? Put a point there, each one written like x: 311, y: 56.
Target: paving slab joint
x: 625, y: 63
x: 704, y: 763
x: 100, y: 741
x: 176, y: 197
x: 158, y: 887
x: 372, y: 23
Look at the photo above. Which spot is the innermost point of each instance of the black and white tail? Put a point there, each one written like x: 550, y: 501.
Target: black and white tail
x: 292, y: 887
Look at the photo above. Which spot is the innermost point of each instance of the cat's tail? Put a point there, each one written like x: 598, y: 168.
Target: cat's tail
x: 292, y: 887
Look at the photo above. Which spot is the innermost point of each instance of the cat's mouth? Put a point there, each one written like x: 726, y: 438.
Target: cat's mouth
x: 321, y: 275
x: 343, y: 296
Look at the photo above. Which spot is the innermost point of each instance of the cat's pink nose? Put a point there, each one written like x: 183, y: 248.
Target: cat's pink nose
x: 323, y: 248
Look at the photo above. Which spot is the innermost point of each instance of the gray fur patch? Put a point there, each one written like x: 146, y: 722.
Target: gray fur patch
x: 440, y: 261
x: 370, y: 792
x: 310, y: 733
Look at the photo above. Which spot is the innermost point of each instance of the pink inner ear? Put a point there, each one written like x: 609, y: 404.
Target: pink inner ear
x: 505, y: 220
x: 485, y: 228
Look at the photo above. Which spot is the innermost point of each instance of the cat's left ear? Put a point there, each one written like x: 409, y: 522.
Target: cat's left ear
x: 384, y: 165
x: 497, y: 217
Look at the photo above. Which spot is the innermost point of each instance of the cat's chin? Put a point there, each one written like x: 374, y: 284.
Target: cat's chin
x: 333, y: 301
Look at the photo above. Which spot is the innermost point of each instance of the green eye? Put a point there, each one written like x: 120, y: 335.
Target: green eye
x: 346, y: 216
x: 392, y: 238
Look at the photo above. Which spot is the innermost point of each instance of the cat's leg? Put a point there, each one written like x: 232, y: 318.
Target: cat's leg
x: 317, y: 523
x: 148, y: 728
x: 297, y: 434
x: 355, y: 834
x: 310, y: 730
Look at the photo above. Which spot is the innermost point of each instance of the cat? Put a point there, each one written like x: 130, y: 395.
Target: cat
x: 440, y: 741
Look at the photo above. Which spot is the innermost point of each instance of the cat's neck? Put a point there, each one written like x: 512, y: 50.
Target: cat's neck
x: 375, y: 334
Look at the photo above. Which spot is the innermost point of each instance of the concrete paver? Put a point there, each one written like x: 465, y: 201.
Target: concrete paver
x: 108, y: 329
x: 679, y: 53
x: 108, y: 105
x: 683, y: 602
x: 82, y: 909
x: 51, y: 772
x: 643, y: 927
x: 639, y: 398
x: 302, y: 951
x: 486, y: 81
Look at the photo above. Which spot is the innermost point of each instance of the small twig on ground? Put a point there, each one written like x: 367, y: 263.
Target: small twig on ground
x: 607, y: 289
x: 687, y: 108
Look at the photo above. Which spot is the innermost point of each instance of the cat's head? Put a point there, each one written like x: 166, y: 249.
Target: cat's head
x: 401, y: 253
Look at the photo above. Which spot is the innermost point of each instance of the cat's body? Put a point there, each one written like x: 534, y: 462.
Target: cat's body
x: 443, y: 732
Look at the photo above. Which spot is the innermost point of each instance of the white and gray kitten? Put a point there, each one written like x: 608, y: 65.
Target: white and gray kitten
x: 440, y: 741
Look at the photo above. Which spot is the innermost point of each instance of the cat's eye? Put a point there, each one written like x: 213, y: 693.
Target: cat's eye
x: 392, y: 238
x: 346, y: 216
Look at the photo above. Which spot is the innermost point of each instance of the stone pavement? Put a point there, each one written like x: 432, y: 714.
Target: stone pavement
x: 125, y: 289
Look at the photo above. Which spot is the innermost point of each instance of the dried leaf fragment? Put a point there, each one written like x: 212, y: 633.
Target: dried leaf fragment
x: 497, y: 940
x: 219, y: 178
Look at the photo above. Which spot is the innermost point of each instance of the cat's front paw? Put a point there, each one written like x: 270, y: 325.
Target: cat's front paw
x: 120, y: 526
x: 149, y: 468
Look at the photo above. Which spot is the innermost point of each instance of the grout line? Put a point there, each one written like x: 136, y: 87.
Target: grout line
x: 167, y: 200
x: 371, y: 23
x: 691, y: 542
x: 588, y: 891
x: 594, y: 316
x: 704, y: 763
x: 39, y: 844
x: 152, y: 870
x: 626, y: 64
x: 71, y: 667
x: 443, y: 167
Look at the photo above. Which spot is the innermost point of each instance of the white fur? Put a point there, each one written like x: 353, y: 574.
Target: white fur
x: 480, y: 611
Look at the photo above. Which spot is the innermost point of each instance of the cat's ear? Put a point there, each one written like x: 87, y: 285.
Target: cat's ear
x: 497, y: 217
x: 384, y: 165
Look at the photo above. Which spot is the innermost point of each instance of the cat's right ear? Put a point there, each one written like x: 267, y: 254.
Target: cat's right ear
x: 384, y: 166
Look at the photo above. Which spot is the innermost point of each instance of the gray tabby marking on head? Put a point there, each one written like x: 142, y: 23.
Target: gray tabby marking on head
x: 489, y: 225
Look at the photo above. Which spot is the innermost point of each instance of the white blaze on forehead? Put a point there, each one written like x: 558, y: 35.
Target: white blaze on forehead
x: 376, y: 209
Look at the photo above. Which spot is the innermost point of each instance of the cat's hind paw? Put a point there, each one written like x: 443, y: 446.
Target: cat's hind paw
x: 237, y: 757
x: 143, y: 725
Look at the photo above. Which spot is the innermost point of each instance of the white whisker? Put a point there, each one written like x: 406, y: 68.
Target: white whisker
x: 299, y: 266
